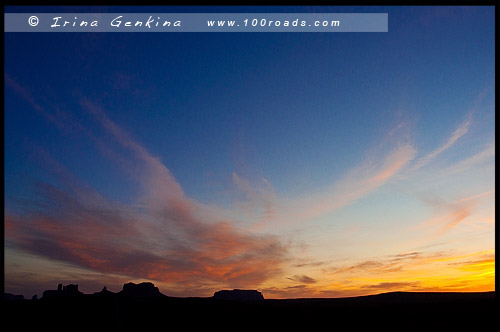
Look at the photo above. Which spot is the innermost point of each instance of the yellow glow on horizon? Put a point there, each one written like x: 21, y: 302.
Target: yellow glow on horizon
x: 463, y: 272
x: 452, y: 258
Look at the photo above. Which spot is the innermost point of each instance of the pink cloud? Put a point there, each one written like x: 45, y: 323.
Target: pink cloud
x: 169, y: 238
x: 260, y: 200
x: 449, y: 214
x: 354, y: 185
x: 272, y: 210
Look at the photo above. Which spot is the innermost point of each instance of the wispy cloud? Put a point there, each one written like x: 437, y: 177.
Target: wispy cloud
x: 20, y: 90
x: 55, y: 116
x: 479, y: 158
x: 449, y: 214
x: 302, y: 279
x: 455, y: 136
x: 390, y: 286
x: 170, y: 238
x: 355, y: 184
x: 384, y: 265
x: 259, y: 200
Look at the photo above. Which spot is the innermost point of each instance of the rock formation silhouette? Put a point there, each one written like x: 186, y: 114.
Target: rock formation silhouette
x: 62, y: 291
x: 144, y: 289
x: 104, y: 292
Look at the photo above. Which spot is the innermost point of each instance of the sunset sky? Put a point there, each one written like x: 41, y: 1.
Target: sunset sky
x: 297, y: 164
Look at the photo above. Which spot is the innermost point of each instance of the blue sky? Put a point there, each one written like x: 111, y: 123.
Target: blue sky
x: 293, y: 139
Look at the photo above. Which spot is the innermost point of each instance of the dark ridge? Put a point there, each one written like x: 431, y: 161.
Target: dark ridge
x: 142, y: 306
x: 12, y: 297
x: 429, y: 297
x: 239, y: 295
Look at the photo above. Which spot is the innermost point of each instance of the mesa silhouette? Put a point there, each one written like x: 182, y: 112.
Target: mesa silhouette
x: 144, y: 306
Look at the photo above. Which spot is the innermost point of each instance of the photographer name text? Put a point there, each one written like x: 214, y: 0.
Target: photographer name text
x: 117, y: 22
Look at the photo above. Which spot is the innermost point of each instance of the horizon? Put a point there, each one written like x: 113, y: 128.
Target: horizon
x: 301, y: 165
x: 237, y: 289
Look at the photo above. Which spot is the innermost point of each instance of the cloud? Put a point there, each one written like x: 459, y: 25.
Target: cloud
x: 356, y: 184
x: 449, y: 215
x: 394, y: 263
x: 260, y: 200
x: 275, y: 210
x: 169, y: 238
x: 308, y: 263
x: 385, y: 286
x: 455, y: 136
x: 22, y: 92
x: 487, y: 154
x: 56, y: 116
x: 155, y: 177
x: 478, y: 261
x: 302, y: 278
x: 30, y: 274
x: 289, y: 292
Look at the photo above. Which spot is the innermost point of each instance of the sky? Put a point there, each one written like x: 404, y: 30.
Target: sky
x: 297, y: 164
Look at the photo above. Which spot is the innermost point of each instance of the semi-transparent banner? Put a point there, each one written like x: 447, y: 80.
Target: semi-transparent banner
x: 196, y: 22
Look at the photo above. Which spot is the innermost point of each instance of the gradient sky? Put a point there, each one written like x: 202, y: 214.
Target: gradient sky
x: 298, y: 164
